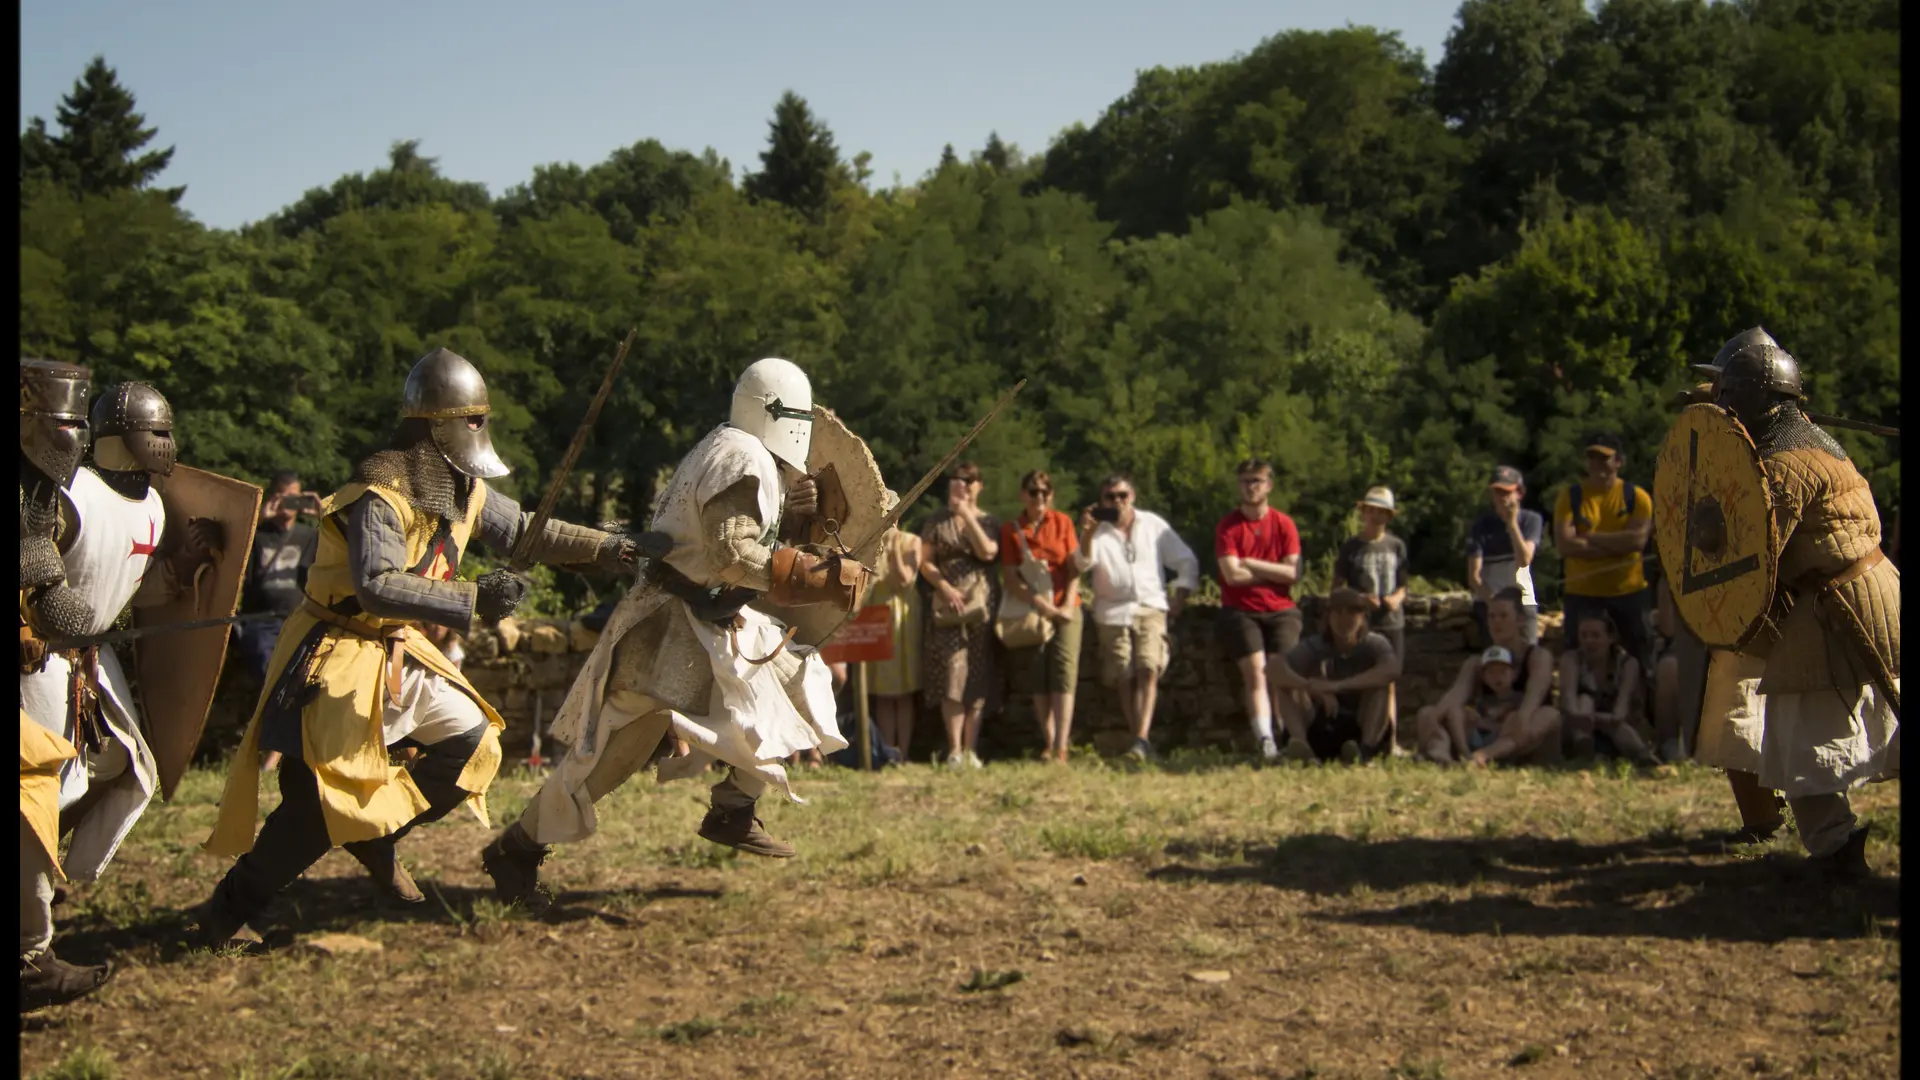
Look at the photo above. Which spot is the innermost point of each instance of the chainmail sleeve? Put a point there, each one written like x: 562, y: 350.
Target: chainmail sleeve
x: 376, y: 559
x: 731, y: 529
x: 560, y: 544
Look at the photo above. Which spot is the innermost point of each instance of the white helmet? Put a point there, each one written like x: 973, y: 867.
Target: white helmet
x: 773, y: 402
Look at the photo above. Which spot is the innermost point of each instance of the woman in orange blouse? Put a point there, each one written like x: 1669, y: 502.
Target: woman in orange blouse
x: 1049, y: 671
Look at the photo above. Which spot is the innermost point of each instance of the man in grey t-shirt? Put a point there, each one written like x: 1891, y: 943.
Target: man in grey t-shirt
x: 1339, y: 680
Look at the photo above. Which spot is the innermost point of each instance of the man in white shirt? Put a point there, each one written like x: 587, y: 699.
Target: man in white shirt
x: 1128, y: 550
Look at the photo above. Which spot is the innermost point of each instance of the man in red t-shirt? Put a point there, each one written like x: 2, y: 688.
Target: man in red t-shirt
x: 1259, y: 554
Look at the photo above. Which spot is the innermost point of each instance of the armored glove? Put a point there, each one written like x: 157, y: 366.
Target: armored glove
x: 500, y: 591
x: 617, y: 555
x: 801, y: 578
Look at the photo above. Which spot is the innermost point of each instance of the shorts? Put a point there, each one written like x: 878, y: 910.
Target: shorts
x: 1529, y: 623
x: 1052, y: 668
x: 1480, y: 739
x: 1326, y: 733
x: 1245, y: 633
x: 1140, y: 646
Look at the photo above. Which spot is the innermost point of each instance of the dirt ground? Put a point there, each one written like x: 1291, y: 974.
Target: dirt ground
x: 1204, y: 919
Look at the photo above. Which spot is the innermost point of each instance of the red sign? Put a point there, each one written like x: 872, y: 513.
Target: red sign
x: 866, y: 638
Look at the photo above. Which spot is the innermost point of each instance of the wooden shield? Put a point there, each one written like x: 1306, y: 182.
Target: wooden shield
x: 178, y: 672
x: 1713, y: 523
x: 853, y: 500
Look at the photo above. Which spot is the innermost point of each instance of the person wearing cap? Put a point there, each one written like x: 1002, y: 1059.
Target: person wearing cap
x: 1338, y: 680
x: 1500, y: 547
x: 1602, y: 525
x: 1374, y: 562
x: 1529, y: 731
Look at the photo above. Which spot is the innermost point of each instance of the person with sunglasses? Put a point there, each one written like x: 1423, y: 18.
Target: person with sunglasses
x: 1126, y: 551
x: 1049, y: 671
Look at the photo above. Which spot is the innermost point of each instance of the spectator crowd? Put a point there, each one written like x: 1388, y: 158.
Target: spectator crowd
x: 983, y: 610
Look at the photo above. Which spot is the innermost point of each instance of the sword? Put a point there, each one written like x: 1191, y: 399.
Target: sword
x: 919, y: 489
x: 523, y: 550
x: 1857, y: 425
x: 114, y: 637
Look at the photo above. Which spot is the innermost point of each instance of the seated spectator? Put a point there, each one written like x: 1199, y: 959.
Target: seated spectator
x: 1128, y: 552
x: 1375, y: 563
x: 1529, y: 731
x: 283, y: 548
x: 1040, y: 544
x: 1500, y: 548
x: 1340, y: 679
x: 1600, y: 693
x: 1259, y: 554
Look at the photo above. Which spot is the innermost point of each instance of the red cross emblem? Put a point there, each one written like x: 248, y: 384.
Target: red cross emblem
x: 148, y: 547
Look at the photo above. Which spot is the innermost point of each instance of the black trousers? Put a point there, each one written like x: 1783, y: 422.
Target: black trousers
x: 295, y: 834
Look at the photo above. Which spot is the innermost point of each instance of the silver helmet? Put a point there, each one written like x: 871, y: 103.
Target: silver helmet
x: 447, y: 391
x: 133, y: 429
x: 53, y: 417
x: 773, y: 402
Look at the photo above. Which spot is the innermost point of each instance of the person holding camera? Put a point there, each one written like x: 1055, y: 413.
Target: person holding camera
x: 1126, y: 551
x: 283, y: 549
x: 958, y: 546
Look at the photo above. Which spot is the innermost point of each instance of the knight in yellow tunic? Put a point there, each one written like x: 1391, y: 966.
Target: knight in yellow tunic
x: 1832, y: 676
x: 353, y: 676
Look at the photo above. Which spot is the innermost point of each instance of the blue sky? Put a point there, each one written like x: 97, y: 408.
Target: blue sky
x: 264, y: 100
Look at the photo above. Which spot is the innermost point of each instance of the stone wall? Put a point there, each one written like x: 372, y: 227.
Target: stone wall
x: 526, y: 667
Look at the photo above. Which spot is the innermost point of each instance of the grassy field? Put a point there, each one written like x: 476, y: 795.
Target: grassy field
x: 1202, y: 918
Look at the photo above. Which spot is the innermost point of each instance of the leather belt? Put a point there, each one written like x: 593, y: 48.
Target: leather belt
x: 717, y: 604
x: 1852, y: 573
x: 393, y: 638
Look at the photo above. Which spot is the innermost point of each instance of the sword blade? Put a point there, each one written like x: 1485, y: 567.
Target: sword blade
x: 114, y: 637
x: 1857, y: 425
x: 523, y: 550
x: 919, y: 489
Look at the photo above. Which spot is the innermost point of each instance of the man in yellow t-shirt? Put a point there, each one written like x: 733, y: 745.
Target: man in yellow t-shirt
x: 1601, y: 525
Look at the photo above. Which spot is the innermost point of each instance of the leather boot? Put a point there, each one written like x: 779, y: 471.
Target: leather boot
x: 47, y: 980
x: 740, y: 829
x: 213, y: 925
x: 1849, y: 864
x: 383, y: 865
x: 513, y: 862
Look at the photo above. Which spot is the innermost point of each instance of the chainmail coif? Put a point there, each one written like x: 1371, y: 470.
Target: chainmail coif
x: 415, y: 467
x: 1784, y: 427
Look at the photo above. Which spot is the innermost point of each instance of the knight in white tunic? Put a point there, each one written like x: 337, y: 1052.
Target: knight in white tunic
x: 683, y: 651
x: 116, y: 551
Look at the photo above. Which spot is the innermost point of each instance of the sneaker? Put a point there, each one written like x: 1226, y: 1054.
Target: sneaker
x: 1142, y: 750
x: 1349, y: 752
x: 1269, y: 750
x: 1670, y: 751
x: 974, y: 762
x: 955, y: 759
x: 1301, y: 752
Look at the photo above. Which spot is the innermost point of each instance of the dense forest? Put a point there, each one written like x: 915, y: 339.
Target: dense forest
x: 1323, y: 251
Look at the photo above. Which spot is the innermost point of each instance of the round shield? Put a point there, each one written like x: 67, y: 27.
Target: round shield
x: 1713, y: 524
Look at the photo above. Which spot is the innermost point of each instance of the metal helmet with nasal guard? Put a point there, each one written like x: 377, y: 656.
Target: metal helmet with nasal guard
x: 773, y: 402
x: 53, y: 417
x: 446, y: 390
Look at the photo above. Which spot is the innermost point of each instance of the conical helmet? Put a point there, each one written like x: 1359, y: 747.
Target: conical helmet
x: 446, y: 390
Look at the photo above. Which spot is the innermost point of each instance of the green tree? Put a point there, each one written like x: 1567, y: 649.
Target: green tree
x: 98, y: 149
x: 800, y: 163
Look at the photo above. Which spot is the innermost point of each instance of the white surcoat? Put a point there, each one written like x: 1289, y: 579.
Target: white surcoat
x: 754, y: 720
x: 111, y: 553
